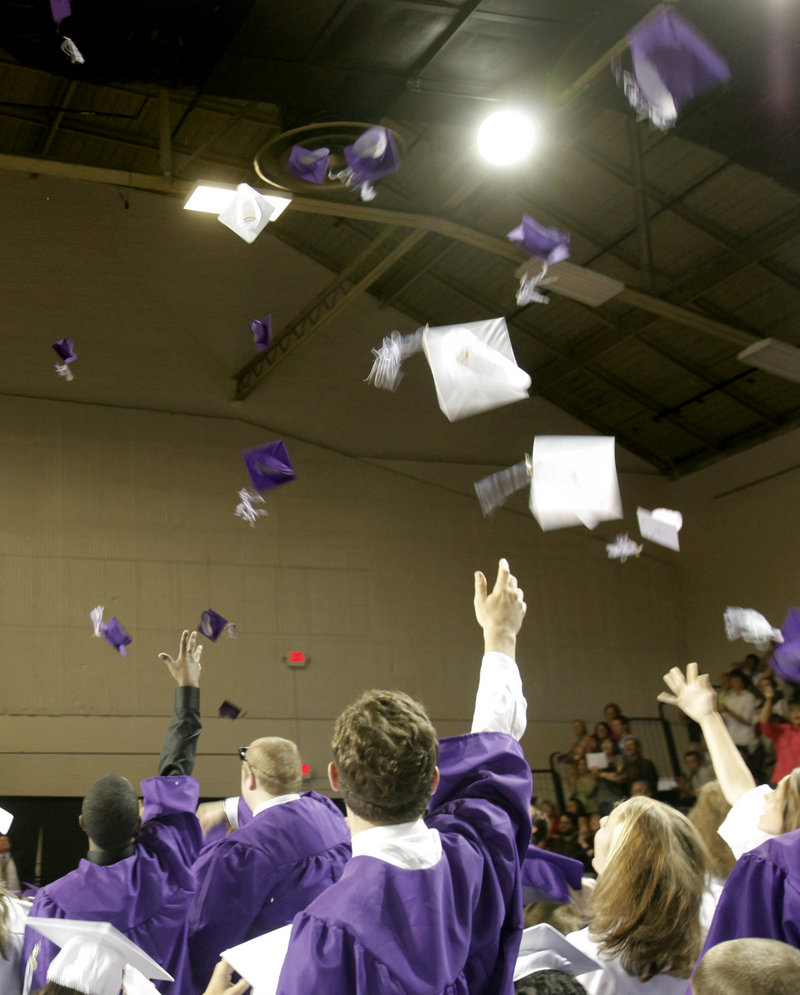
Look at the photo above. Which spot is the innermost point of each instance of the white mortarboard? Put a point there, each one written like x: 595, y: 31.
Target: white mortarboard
x: 574, y: 481
x: 247, y: 214
x: 6, y: 818
x: 751, y: 626
x: 661, y: 525
x: 472, y: 363
x: 259, y: 961
x: 543, y: 948
x: 94, y: 956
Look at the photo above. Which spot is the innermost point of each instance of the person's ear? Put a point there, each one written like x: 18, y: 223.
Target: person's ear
x: 80, y: 823
x: 435, y: 781
x: 333, y: 777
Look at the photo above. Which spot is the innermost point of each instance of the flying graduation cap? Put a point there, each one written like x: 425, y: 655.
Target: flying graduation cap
x: 661, y: 525
x: 309, y: 164
x: 672, y: 62
x: 247, y: 214
x: 548, y: 244
x: 372, y: 155
x: 65, y: 349
x: 227, y: 710
x: 262, y: 333
x: 96, y: 958
x: 473, y: 365
x: 268, y: 465
x: 623, y: 548
x: 212, y: 625
x: 112, y: 631
x: 572, y: 479
x: 785, y: 659
x: 6, y: 818
x: 751, y: 626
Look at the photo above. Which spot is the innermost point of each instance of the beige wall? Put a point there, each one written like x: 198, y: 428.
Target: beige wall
x: 364, y: 567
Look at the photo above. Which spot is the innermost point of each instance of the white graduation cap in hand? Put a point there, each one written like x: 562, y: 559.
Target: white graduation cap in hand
x: 661, y: 525
x: 473, y: 365
x: 97, y: 958
x: 573, y: 481
x: 260, y: 960
x: 543, y: 948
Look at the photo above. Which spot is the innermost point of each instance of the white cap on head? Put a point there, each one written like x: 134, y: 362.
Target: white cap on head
x: 95, y: 958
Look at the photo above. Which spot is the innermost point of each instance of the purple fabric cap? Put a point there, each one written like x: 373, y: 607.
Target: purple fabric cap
x: 262, y: 333
x: 372, y: 155
x: 548, y: 244
x: 60, y: 9
x: 308, y: 164
x: 114, y: 633
x: 66, y: 350
x: 227, y: 710
x: 268, y: 465
x: 785, y: 660
x: 212, y: 624
x: 667, y: 46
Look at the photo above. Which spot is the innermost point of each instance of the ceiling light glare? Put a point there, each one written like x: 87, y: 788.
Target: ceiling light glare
x: 210, y: 198
x: 506, y: 137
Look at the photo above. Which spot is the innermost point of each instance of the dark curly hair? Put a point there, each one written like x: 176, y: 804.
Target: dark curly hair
x: 110, y: 812
x: 385, y: 750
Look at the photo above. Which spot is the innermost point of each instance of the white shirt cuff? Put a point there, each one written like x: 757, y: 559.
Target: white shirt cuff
x: 500, y: 705
x: 231, y: 806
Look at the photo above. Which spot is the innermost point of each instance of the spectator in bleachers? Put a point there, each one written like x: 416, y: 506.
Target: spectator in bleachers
x: 611, y: 778
x: 551, y: 812
x: 585, y: 790
x: 640, y: 789
x: 698, y: 772
x: 602, y: 730
x: 785, y: 736
x: 582, y: 740
x: 611, y: 711
x: 619, y: 728
x: 739, y: 711
x: 639, y: 768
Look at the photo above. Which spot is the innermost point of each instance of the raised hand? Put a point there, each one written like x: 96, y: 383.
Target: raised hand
x: 186, y: 669
x: 500, y: 614
x: 693, y: 694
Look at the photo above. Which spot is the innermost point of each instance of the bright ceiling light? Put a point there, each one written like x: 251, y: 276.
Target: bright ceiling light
x: 506, y: 137
x: 214, y: 198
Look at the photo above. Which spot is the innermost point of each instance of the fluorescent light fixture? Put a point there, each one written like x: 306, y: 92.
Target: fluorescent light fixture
x: 214, y: 198
x: 573, y: 281
x: 506, y: 137
x: 773, y: 356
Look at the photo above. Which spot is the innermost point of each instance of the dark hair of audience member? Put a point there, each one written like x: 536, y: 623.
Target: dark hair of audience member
x: 707, y: 816
x: 110, y: 812
x: 385, y: 751
x: 52, y: 988
x: 612, y: 707
x: 549, y: 983
x: 748, y: 966
x: 602, y: 730
x: 5, y: 908
x: 540, y: 828
x: 646, y: 904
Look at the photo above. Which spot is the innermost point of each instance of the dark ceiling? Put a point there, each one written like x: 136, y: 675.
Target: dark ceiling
x: 701, y: 225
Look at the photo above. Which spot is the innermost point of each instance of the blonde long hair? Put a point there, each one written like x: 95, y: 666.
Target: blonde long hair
x: 646, y: 906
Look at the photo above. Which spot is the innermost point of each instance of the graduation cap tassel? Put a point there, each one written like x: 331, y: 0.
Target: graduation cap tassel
x: 493, y: 491
x: 386, y: 373
x: 528, y: 294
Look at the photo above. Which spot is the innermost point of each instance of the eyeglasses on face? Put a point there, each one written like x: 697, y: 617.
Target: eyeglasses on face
x: 241, y: 751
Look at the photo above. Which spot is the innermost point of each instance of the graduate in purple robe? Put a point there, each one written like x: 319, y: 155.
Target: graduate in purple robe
x: 762, y: 895
x: 138, y: 876
x: 429, y: 904
x: 273, y: 865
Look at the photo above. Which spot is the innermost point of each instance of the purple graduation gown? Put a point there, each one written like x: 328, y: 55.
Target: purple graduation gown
x: 762, y: 895
x: 146, y: 896
x: 259, y: 877
x: 450, y: 929
x: 548, y: 876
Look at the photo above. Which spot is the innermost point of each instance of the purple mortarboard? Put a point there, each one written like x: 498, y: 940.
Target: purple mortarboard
x: 262, y: 333
x: 65, y: 348
x: 548, y: 244
x: 672, y: 62
x: 212, y: 625
x: 308, y: 164
x: 473, y: 365
x: 372, y: 155
x: 227, y: 710
x: 112, y: 631
x: 268, y: 465
x: 785, y: 660
x: 60, y: 9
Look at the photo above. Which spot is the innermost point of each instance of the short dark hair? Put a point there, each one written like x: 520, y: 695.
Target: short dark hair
x: 53, y: 988
x: 110, y: 812
x: 540, y: 828
x: 693, y: 753
x: 385, y: 751
x: 548, y: 983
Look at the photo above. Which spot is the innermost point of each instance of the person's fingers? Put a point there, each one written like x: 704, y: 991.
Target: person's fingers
x: 674, y: 680
x: 184, y: 642
x: 239, y: 988
x: 705, y: 682
x: 502, y: 574
x: 198, y: 653
x: 480, y: 587
x: 667, y: 698
x: 191, y: 644
x: 691, y: 673
x: 165, y: 657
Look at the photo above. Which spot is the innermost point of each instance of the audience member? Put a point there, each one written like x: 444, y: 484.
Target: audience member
x: 551, y: 812
x: 785, y: 735
x: 602, y: 730
x: 739, y: 710
x: 582, y: 740
x: 459, y: 869
x: 13, y: 912
x: 585, y: 790
x: 611, y: 779
x: 9, y: 876
x: 620, y: 728
x: 138, y: 872
x: 540, y: 827
x: 269, y: 869
x: 646, y: 930
x: 748, y: 966
x: 639, y: 768
x: 698, y: 772
x: 611, y: 712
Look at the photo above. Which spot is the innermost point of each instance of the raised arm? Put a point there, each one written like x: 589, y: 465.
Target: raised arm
x: 500, y: 705
x: 179, y: 748
x: 695, y: 696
